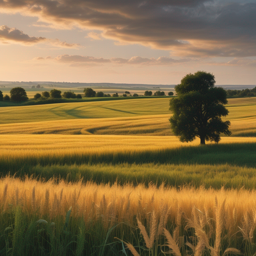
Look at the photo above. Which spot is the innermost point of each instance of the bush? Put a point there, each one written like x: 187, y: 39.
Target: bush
x: 89, y: 92
x: 159, y: 93
x: 107, y: 95
x: 46, y: 94
x: 135, y: 95
x: 115, y: 95
x: 170, y: 93
x: 1, y: 96
x: 6, y: 98
x: 124, y: 95
x: 69, y: 95
x: 18, y: 94
x: 37, y: 96
x: 99, y: 94
x: 148, y: 93
x: 56, y: 94
x: 79, y: 96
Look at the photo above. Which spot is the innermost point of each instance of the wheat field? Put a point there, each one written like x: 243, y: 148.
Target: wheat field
x: 120, y: 117
x: 74, y: 183
x: 196, y: 219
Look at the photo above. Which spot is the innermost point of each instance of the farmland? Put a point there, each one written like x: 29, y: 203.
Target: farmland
x: 118, y: 165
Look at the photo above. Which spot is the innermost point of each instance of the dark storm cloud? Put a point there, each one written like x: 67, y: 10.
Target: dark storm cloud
x: 186, y: 27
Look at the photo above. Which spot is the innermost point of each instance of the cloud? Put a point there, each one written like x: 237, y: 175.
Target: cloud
x: 198, y: 28
x: 13, y: 35
x: 242, y: 62
x: 94, y: 36
x: 78, y: 60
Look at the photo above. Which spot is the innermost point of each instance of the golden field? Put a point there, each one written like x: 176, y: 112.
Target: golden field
x: 119, y: 206
x: 197, y: 219
x: 121, y: 117
x: 54, y: 144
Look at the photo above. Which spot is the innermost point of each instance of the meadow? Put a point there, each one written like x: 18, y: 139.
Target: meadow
x: 106, y: 178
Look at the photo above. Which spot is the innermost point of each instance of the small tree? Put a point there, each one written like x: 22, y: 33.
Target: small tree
x: 107, y: 95
x: 6, y: 98
x: 159, y: 93
x: 170, y: 93
x: 89, y: 92
x: 127, y: 92
x: 198, y: 109
x: 69, y: 95
x: 37, y: 96
x: 1, y: 96
x: 115, y: 95
x: 18, y: 94
x: 124, y: 95
x: 46, y: 94
x: 79, y: 96
x: 148, y: 93
x: 135, y: 95
x: 99, y: 94
x: 56, y: 94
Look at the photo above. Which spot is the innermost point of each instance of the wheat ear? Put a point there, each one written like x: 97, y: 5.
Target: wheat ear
x: 220, y: 210
x: 144, y: 233
x: 172, y: 244
x: 132, y: 249
x: 153, y: 228
x: 232, y: 250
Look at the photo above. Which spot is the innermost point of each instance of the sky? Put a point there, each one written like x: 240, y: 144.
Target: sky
x: 127, y: 41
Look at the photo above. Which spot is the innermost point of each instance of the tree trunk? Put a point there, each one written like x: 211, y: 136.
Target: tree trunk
x: 202, y: 138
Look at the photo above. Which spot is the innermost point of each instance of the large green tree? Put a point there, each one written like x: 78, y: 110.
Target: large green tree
x: 198, y: 108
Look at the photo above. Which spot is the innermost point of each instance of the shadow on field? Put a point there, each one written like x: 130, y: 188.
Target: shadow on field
x: 239, y: 154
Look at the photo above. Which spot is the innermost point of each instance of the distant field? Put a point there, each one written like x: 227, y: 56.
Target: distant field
x: 131, y: 116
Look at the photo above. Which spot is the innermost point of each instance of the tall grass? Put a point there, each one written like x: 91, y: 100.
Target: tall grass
x: 75, y: 219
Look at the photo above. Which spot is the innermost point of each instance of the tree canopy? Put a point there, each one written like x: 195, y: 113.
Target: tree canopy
x: 46, y: 94
x: 198, y: 108
x: 56, y: 94
x: 89, y: 92
x: 18, y: 94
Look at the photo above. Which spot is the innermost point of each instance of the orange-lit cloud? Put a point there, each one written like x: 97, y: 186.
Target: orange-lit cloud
x: 136, y: 60
x: 8, y: 35
x: 13, y: 35
x: 198, y: 28
x: 94, y: 36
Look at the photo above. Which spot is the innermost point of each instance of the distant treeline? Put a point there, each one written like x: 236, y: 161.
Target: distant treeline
x: 242, y: 93
x: 18, y: 94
